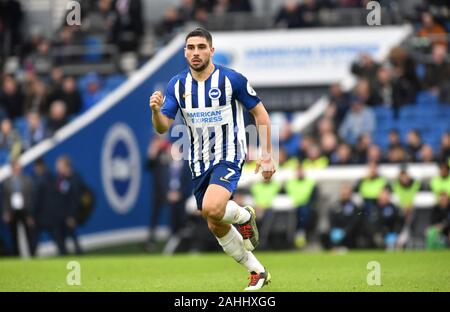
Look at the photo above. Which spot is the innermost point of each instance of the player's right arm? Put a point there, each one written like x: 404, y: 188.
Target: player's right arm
x: 161, y: 122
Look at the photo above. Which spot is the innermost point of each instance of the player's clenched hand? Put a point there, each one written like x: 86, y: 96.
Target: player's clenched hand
x: 156, y: 101
x: 267, y: 166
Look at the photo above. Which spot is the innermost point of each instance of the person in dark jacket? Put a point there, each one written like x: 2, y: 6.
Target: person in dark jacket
x: 17, y: 205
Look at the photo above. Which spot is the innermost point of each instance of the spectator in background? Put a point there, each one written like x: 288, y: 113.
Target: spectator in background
x: 17, y: 205
x: 48, y: 217
x: 158, y: 162
x: 35, y: 130
x: 304, y: 144
x: 101, y: 20
x: 413, y: 145
x: 10, y: 144
x: 314, y: 158
x: 406, y: 188
x: 365, y: 68
x: 370, y: 188
x: 57, y: 117
x: 388, y: 221
x: 437, y: 73
x: 374, y: 154
x: 342, y: 155
x: 362, y: 148
x: 431, y: 30
x: 405, y: 83
x: 67, y: 195
x: 328, y: 144
x: 42, y: 58
x: 11, y: 19
x: 93, y: 94
x: 303, y: 193
x: 358, y: 121
x: 339, y: 104
x: 441, y: 183
x: 394, y: 139
x: 169, y: 23
x: 11, y: 97
x: 396, y: 155
x: 289, y: 16
x: 309, y: 13
x: 36, y: 97
x: 129, y: 26
x: 438, y: 233
x: 178, y: 192
x: 345, y: 220
x: 69, y: 94
x: 55, y: 83
x: 383, y: 88
x: 444, y: 152
x: 425, y: 155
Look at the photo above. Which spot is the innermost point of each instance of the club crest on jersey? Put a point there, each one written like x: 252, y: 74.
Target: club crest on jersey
x: 214, y: 93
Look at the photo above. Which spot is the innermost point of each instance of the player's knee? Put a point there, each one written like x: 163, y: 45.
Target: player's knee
x: 213, y: 211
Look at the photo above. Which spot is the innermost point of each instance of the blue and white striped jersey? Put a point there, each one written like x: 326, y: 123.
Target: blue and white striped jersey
x: 213, y: 112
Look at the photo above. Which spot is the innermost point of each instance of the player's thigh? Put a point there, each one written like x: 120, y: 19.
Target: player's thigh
x: 215, y: 201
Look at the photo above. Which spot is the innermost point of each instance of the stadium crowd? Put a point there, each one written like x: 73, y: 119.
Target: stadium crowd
x: 40, y: 93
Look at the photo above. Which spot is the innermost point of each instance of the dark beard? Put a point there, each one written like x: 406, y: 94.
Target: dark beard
x: 201, y: 68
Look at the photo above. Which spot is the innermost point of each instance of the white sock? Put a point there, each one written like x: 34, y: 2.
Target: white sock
x: 233, y: 245
x: 235, y: 214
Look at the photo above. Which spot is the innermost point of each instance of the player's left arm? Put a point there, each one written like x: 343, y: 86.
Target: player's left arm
x: 265, y: 160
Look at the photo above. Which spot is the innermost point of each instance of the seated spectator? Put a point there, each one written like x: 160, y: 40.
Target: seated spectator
x: 10, y: 144
x: 438, y: 233
x: 370, y: 187
x: 11, y: 97
x: 69, y: 94
x: 431, y: 30
x: 263, y: 194
x: 314, y: 159
x: 57, y: 117
x: 374, y: 154
x: 42, y: 58
x: 93, y: 93
x: 425, y: 155
x: 35, y: 130
x: 358, y: 121
x: 342, y: 155
x: 345, y: 220
x: 305, y: 142
x: 437, y: 73
x: 396, y: 155
x: 328, y: 144
x: 413, y: 145
x: 394, y: 139
x: 362, y: 149
x: 37, y: 96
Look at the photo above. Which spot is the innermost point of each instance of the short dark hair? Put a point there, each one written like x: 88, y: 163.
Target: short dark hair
x: 200, y: 32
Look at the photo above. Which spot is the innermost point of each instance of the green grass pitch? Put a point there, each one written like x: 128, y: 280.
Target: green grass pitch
x: 291, y: 272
